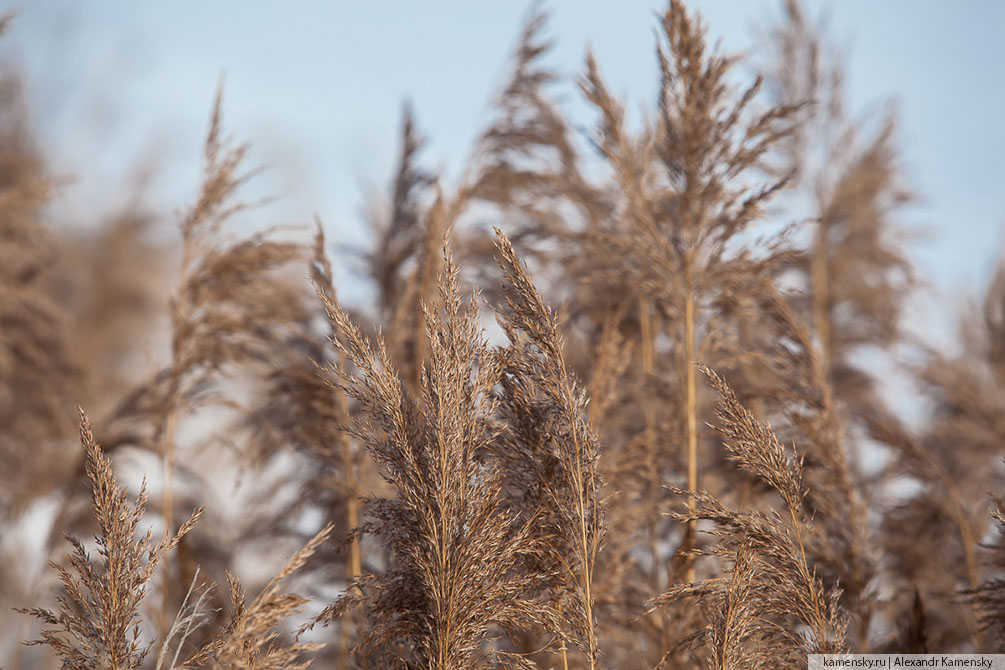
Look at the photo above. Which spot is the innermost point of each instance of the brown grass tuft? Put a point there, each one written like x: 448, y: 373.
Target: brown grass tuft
x: 98, y: 622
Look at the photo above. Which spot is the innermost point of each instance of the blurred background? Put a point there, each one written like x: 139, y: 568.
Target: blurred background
x: 317, y: 87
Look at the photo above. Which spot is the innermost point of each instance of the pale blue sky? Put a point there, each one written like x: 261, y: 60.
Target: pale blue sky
x: 317, y: 87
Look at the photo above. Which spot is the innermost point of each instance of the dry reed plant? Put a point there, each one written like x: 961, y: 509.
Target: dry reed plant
x: 989, y: 597
x: 772, y: 590
x: 227, y: 304
x: 793, y: 390
x: 553, y: 452
x: 253, y: 639
x: 667, y: 225
x: 98, y: 622
x: 955, y: 462
x: 458, y: 555
x: 37, y: 374
x: 231, y: 310
x: 857, y: 277
x: 300, y: 409
x: 850, y: 170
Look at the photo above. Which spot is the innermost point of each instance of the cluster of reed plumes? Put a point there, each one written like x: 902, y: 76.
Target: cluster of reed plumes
x: 609, y: 409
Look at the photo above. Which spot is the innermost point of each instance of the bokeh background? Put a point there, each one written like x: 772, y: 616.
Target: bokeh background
x: 318, y: 88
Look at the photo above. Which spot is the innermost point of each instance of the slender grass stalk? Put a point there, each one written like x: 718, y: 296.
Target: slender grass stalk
x: 691, y: 410
x: 539, y: 358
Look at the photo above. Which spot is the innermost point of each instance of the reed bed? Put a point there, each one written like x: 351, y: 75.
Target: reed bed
x: 609, y: 408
